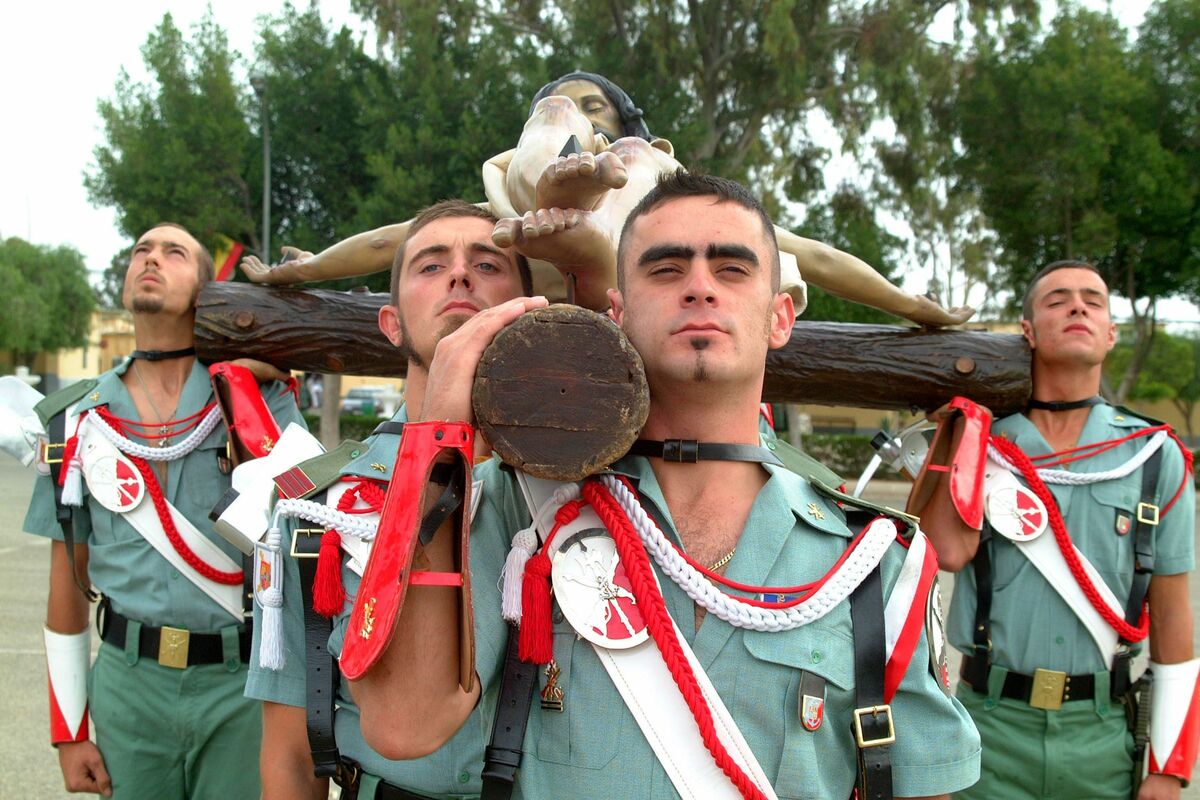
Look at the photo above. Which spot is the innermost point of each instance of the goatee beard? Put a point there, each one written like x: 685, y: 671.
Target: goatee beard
x: 146, y: 305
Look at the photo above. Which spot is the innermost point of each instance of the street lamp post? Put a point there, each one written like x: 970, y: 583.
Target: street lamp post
x: 259, y: 82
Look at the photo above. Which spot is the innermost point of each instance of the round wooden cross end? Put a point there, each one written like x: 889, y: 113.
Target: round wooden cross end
x: 561, y: 393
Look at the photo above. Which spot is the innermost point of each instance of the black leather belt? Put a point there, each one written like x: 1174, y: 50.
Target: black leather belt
x: 1044, y: 689
x: 171, y: 647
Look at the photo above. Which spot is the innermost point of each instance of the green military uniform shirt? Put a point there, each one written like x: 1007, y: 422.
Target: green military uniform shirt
x: 451, y: 772
x: 1032, y: 627
x: 122, y: 565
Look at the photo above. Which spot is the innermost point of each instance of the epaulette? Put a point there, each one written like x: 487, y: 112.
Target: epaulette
x: 804, y: 465
x: 51, y: 404
x: 1139, y: 415
x: 317, y: 473
x: 864, y: 505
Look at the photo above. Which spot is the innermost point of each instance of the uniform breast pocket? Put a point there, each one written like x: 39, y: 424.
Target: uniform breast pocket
x: 810, y: 671
x: 1111, y: 526
x: 586, y: 732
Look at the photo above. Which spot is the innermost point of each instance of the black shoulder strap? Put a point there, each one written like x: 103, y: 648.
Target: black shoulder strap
x: 56, y: 431
x: 502, y: 757
x: 1145, y: 521
x: 321, y: 668
x: 978, y: 666
x: 872, y: 726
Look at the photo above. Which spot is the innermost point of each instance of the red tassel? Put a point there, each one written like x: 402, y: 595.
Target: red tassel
x: 537, y: 639
x: 329, y: 596
x: 68, y: 454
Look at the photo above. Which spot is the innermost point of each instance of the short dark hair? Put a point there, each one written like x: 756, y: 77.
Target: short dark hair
x: 632, y: 123
x: 681, y: 183
x: 445, y: 209
x: 204, y: 259
x: 1054, y: 266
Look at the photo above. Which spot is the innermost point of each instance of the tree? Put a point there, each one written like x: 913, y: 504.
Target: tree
x: 179, y: 148
x: 848, y: 223
x: 1170, y: 371
x: 1064, y: 145
x: 731, y: 84
x: 48, y: 302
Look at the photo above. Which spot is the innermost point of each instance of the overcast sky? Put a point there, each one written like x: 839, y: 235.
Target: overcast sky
x: 58, y: 59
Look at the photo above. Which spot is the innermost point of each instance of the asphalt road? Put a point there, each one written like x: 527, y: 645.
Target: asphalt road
x: 28, y: 765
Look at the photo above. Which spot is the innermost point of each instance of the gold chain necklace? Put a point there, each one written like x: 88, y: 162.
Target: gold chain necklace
x: 725, y: 559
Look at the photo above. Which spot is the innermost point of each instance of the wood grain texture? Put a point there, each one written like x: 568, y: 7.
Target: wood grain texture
x: 837, y: 364
x: 561, y: 393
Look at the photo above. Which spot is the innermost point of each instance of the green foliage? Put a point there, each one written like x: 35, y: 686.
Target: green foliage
x: 1170, y: 371
x: 48, y: 303
x: 179, y: 148
x: 1063, y: 144
x: 350, y: 426
x: 847, y: 454
x: 848, y: 223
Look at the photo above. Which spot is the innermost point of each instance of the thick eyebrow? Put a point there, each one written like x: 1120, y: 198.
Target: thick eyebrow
x: 433, y: 249
x: 738, y: 252
x: 441, y: 249
x: 480, y: 247
x: 661, y: 252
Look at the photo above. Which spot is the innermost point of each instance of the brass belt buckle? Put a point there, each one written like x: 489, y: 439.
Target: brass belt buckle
x: 173, y: 647
x: 1048, y: 688
x: 297, y: 533
x: 874, y: 711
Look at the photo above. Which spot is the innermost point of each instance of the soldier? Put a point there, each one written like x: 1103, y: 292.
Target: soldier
x: 1087, y: 511
x: 136, y: 458
x: 776, y: 692
x: 446, y: 271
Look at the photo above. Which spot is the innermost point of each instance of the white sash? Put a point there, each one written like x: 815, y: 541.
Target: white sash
x: 645, y: 684
x: 92, y: 446
x: 1044, y: 554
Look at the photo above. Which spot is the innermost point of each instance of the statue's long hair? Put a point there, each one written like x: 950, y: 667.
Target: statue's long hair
x: 632, y: 123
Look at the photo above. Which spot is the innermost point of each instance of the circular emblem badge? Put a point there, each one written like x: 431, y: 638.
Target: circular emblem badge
x: 115, y: 483
x: 594, y: 592
x: 1016, y: 513
x: 935, y: 636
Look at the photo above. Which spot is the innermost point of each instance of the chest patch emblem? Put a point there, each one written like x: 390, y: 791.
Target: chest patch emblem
x: 595, y: 594
x: 1016, y: 513
x: 115, y: 483
x: 1124, y: 524
x: 812, y: 700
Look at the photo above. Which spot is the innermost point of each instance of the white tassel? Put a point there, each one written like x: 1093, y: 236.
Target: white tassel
x: 270, y: 598
x: 524, y: 544
x: 72, y: 490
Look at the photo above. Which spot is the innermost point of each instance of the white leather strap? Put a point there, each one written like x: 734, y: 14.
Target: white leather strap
x: 649, y: 691
x: 1044, y: 554
x: 93, y: 446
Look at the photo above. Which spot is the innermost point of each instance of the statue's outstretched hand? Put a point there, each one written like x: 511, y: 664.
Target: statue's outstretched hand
x: 282, y: 273
x: 930, y: 312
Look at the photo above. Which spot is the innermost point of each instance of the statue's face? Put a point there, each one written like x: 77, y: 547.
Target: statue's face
x: 595, y: 105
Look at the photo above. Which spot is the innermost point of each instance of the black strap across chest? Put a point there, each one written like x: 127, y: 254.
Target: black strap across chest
x: 872, y: 726
x: 56, y: 432
x: 502, y: 757
x: 321, y: 668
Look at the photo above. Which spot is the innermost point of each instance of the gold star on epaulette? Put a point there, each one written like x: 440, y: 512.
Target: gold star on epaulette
x: 379, y: 467
x: 94, y: 397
